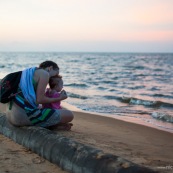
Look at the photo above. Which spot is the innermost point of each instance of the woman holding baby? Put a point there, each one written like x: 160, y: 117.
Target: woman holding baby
x: 25, y: 109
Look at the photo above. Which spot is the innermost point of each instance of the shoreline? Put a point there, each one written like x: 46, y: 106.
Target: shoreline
x: 126, y: 119
x: 140, y: 144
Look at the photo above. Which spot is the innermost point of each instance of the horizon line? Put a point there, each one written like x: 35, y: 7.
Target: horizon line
x: 54, y: 51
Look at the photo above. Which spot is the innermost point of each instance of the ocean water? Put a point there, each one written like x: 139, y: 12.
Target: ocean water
x: 136, y: 86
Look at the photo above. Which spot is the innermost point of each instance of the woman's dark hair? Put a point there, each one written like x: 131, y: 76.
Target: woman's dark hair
x: 48, y: 64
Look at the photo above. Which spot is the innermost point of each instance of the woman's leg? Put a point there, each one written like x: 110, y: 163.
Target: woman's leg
x: 66, y: 116
x: 17, y: 116
x: 64, y: 123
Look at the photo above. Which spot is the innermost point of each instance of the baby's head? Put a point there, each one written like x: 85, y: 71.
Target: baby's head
x: 56, y: 83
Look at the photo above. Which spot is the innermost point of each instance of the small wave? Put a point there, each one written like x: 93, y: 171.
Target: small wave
x: 140, y: 67
x: 158, y: 69
x: 2, y: 66
x: 134, y: 67
x: 75, y: 60
x: 114, y: 78
x: 136, y: 101
x: 155, y: 89
x: 88, y: 59
x: 162, y: 116
x: 143, y: 102
x: 109, y: 73
x: 140, y: 75
x: 72, y: 95
x: 163, y: 95
x: 151, y: 103
x: 112, y: 90
x: 112, y: 97
x: 136, y: 87
x: 109, y: 82
x: 102, y: 88
x: 76, y: 85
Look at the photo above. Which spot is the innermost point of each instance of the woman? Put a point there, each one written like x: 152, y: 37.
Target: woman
x: 24, y: 109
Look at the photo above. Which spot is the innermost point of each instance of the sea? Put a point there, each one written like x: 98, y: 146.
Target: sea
x: 135, y: 87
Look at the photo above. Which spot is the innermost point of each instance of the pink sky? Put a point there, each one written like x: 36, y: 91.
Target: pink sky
x: 75, y: 25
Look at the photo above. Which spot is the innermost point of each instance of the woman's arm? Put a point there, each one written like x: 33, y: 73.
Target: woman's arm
x: 43, y: 79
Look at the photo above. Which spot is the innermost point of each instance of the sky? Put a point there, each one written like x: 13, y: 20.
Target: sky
x: 88, y: 25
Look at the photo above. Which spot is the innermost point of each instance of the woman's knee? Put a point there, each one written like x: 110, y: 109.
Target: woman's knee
x: 66, y: 116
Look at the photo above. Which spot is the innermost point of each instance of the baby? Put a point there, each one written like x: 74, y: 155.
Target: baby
x: 56, y: 85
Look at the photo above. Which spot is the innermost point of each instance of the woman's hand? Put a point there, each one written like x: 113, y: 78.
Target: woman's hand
x: 63, y: 95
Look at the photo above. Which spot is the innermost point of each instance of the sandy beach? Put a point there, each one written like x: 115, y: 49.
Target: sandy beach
x: 14, y: 158
x: 140, y: 144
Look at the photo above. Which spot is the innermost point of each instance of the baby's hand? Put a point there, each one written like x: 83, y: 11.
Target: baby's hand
x: 63, y: 95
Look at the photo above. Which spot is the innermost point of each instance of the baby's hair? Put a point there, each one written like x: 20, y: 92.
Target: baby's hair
x: 48, y: 64
x: 52, y: 82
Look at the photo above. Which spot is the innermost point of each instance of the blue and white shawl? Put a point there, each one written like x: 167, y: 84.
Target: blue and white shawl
x: 26, y: 85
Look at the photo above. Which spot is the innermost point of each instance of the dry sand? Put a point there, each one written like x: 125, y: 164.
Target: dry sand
x: 140, y: 144
x: 15, y: 158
